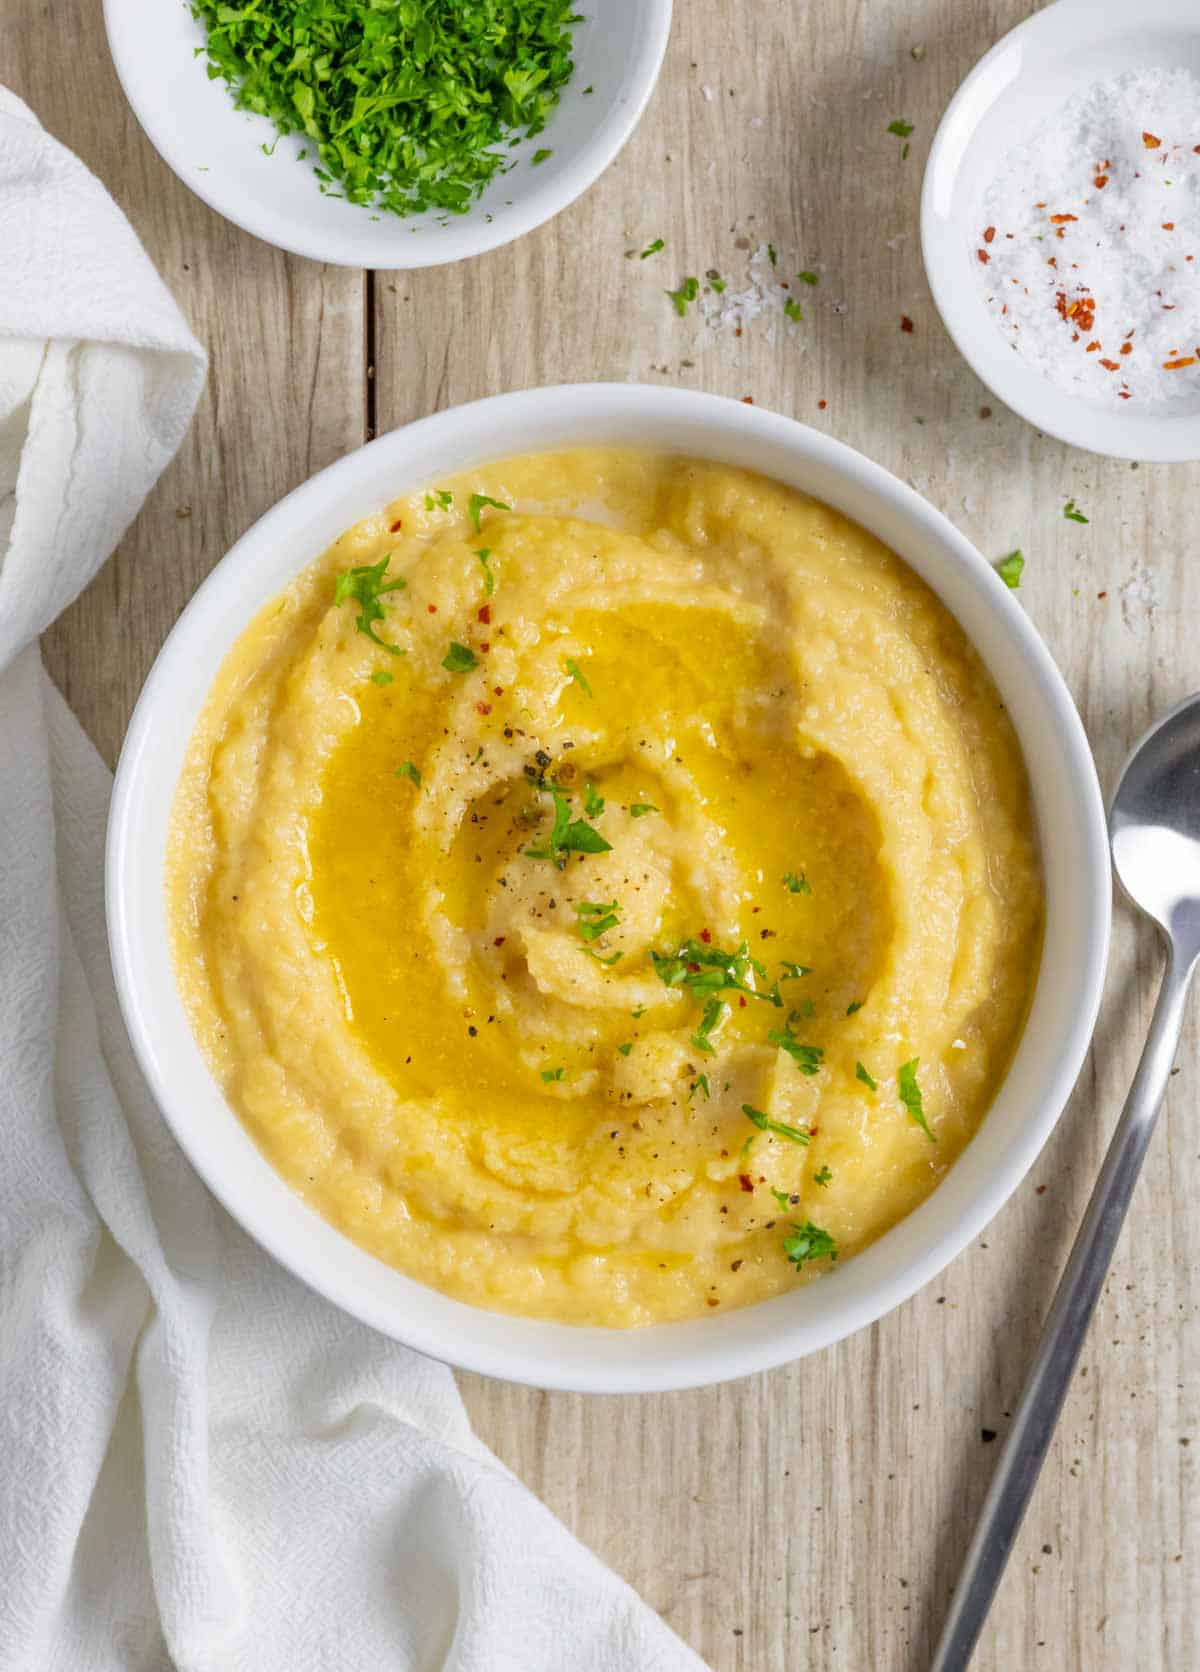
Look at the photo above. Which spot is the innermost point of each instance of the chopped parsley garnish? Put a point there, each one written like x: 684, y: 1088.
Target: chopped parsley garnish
x: 639, y: 809
x: 854, y: 1005
x: 793, y: 972
x: 785, y: 1198
x: 381, y: 677
x: 807, y: 1058
x: 705, y: 970
x: 715, y: 1013
x: 475, y: 507
x: 781, y: 1129
x: 796, y: 884
x: 808, y: 278
x: 406, y: 769
x: 407, y: 105
x: 861, y: 1072
x: 700, y: 1083
x: 719, y: 285
x: 808, y: 1242
x: 624, y: 1050
x: 682, y: 298
x: 1072, y: 512
x: 1011, y: 568
x: 772, y: 254
x: 577, y: 674
x: 489, y: 580
x: 615, y: 957
x: 442, y: 498
x: 567, y: 835
x: 653, y: 249
x: 900, y: 128
x: 823, y: 1177
x: 459, y: 658
x: 910, y: 1095
x: 549, y: 1074
x: 596, y: 920
x: 793, y: 310
x: 367, y: 585
x: 540, y: 156
x: 593, y: 804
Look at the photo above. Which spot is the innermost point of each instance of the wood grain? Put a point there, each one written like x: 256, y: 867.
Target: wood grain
x: 814, y: 1516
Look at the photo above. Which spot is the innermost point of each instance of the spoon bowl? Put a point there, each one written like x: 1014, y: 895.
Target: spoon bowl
x: 1154, y: 825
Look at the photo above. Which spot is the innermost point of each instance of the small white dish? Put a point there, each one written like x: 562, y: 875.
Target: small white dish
x: 1034, y: 69
x: 217, y: 150
x: 1070, y: 816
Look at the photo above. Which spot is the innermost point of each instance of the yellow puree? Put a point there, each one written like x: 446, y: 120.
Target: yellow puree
x: 397, y: 997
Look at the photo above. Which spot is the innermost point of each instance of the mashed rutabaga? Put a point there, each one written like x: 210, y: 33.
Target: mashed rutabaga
x: 606, y: 886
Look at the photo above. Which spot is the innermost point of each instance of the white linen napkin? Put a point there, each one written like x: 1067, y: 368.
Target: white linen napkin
x: 202, y: 1464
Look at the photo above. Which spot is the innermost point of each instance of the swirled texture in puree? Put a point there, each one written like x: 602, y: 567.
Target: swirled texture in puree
x: 443, y: 1038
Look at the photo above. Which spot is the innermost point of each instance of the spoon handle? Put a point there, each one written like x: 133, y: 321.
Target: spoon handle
x: 1062, y: 1337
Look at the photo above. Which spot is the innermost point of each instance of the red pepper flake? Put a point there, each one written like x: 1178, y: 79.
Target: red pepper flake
x: 1174, y: 365
x: 499, y: 940
x: 1126, y: 348
x: 741, y: 1004
x: 1100, y: 181
x: 483, y: 708
x: 821, y: 405
x: 1102, y: 594
x: 1041, y: 1190
x: 983, y: 256
x: 906, y: 323
x: 1110, y: 365
x: 486, y: 646
x: 484, y: 615
x: 746, y: 1182
x: 1061, y: 220
x: 1124, y: 395
x: 747, y: 400
x: 432, y: 608
x: 497, y: 690
x: 989, y: 232
x: 394, y: 528
x: 1168, y: 226
x: 1151, y: 141
x: 985, y: 412
x: 706, y: 936
x: 1093, y: 346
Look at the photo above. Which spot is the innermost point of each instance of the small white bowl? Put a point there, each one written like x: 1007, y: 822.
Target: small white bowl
x: 217, y: 150
x: 1035, y: 68
x: 1070, y: 817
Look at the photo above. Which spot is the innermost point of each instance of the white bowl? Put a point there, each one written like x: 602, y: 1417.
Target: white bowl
x: 217, y: 150
x: 1070, y: 817
x: 1035, y: 68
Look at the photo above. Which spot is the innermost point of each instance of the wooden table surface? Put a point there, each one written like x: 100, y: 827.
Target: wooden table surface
x: 815, y: 1516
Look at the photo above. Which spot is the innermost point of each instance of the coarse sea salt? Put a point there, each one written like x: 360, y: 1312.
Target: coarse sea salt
x: 1089, y: 241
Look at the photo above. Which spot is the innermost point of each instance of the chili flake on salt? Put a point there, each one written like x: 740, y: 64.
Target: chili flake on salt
x: 1091, y: 229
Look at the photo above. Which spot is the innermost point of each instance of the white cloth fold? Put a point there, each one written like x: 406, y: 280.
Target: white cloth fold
x: 202, y: 1465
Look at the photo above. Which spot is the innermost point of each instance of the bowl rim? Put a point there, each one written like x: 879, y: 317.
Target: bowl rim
x: 664, y: 1356
x: 1149, y: 437
x: 464, y: 236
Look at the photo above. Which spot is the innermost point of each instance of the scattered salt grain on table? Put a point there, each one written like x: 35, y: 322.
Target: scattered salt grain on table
x: 1089, y: 241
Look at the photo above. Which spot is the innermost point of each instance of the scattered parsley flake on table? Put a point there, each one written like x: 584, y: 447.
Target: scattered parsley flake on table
x: 1011, y: 569
x: 653, y: 249
x: 682, y: 298
x: 1072, y: 513
x: 408, y: 105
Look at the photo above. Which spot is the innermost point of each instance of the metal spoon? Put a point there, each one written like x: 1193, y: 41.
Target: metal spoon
x: 1154, y: 828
